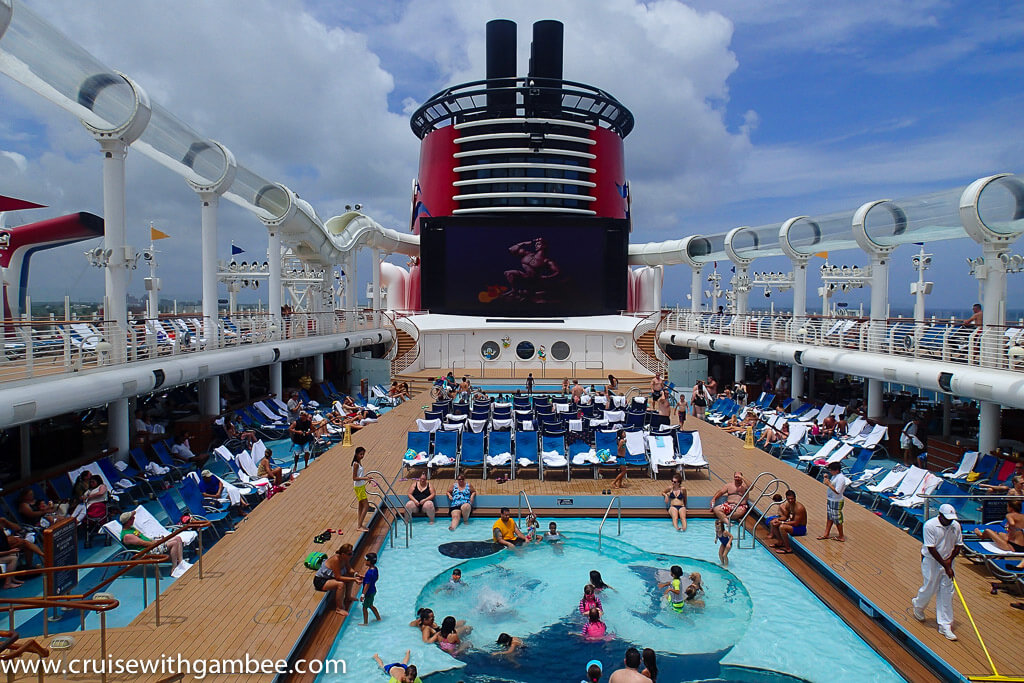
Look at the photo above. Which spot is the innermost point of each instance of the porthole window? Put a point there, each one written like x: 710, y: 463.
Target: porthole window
x: 560, y: 350
x: 525, y: 350
x: 490, y: 350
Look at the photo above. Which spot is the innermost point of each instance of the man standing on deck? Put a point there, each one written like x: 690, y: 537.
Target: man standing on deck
x: 942, y: 542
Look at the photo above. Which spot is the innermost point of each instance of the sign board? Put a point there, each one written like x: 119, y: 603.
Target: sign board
x: 993, y: 510
x: 565, y: 501
x: 60, y: 548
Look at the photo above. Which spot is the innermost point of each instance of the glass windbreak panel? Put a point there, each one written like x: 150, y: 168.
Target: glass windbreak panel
x: 925, y: 218
x: 525, y: 350
x: 823, y: 233
x: 42, y: 58
x: 704, y: 249
x: 757, y: 242
x: 183, y: 147
x: 1001, y: 206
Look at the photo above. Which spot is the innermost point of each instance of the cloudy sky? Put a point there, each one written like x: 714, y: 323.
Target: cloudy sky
x: 746, y: 113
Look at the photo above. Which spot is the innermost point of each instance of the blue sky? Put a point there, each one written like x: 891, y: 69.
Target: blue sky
x: 747, y: 113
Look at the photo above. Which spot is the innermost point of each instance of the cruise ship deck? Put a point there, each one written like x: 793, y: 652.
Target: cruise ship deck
x: 256, y: 597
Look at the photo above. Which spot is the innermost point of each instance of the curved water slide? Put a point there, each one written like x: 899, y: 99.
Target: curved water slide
x: 112, y: 105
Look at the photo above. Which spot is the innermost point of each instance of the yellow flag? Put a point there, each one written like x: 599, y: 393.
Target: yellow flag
x: 822, y: 254
x: 155, y: 234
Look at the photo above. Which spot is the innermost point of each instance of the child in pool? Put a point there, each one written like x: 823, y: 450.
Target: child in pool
x: 590, y: 600
x: 674, y: 587
x: 400, y: 672
x: 532, y: 527
x: 552, y: 536
x: 696, y: 581
x: 510, y: 643
x: 594, y: 628
x: 724, y: 538
x: 447, y: 638
x: 597, y: 582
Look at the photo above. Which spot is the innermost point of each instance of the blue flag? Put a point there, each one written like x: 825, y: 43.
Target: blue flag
x: 236, y: 250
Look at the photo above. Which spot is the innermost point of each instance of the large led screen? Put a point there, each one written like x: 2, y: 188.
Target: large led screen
x: 524, y: 267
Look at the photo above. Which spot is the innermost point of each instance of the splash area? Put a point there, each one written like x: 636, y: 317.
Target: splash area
x: 757, y: 622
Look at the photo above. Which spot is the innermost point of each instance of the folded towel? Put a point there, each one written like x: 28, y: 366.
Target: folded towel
x: 441, y: 460
x: 499, y: 459
x: 585, y: 458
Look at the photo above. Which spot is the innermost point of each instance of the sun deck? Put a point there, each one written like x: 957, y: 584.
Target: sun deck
x: 256, y: 597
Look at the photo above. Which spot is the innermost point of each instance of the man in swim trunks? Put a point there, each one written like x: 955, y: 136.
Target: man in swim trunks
x: 506, y: 532
x: 735, y: 505
x: 792, y: 521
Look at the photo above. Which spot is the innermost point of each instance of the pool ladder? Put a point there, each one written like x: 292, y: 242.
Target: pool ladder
x: 522, y: 494
x: 770, y: 489
x: 615, y: 499
x: 385, y: 505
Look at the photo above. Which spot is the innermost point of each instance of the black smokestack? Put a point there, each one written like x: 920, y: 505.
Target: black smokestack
x: 501, y: 65
x: 546, y: 63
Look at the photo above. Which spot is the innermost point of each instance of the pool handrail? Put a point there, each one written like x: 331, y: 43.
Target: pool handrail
x: 384, y: 501
x: 615, y: 499
x: 523, y: 494
x: 774, y: 486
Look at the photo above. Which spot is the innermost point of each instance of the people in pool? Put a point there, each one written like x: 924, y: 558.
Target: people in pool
x: 590, y: 600
x: 447, y: 637
x: 674, y: 587
x: 724, y: 539
x: 650, y: 664
x: 692, y: 597
x: 675, y: 498
x: 594, y: 628
x: 594, y: 670
x: 532, y: 528
x: 552, y: 536
x: 454, y: 584
x: 424, y: 621
x: 510, y: 643
x: 400, y: 672
x: 597, y: 582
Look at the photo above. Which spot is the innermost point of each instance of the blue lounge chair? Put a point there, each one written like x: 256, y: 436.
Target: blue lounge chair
x: 197, y: 507
x: 526, y: 449
x: 499, y: 442
x: 445, y: 443
x: 471, y: 454
x: 556, y: 443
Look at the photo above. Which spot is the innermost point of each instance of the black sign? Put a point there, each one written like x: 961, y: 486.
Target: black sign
x: 565, y: 501
x: 60, y: 549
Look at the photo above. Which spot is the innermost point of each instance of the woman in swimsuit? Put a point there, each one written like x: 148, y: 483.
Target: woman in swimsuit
x: 462, y: 497
x: 425, y: 623
x: 333, y: 575
x: 421, y: 498
x: 1013, y: 539
x: 447, y: 638
x: 510, y: 643
x: 675, y: 499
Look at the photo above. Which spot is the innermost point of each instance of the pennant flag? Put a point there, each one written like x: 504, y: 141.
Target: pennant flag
x: 822, y: 254
x: 716, y: 265
x: 155, y: 234
x: 920, y: 244
x: 733, y: 269
x: 236, y: 250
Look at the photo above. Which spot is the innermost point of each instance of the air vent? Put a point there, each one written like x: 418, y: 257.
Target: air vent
x: 711, y: 344
x: 890, y: 374
x: 798, y: 357
x: 946, y: 382
x: 24, y: 411
x: 158, y: 378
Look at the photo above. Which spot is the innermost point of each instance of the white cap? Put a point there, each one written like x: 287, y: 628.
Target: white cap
x: 947, y: 511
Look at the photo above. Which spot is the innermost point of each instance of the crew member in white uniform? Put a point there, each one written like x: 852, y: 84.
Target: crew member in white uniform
x: 942, y: 542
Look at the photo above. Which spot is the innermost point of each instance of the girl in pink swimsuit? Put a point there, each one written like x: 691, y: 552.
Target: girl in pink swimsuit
x: 594, y: 628
x: 447, y: 638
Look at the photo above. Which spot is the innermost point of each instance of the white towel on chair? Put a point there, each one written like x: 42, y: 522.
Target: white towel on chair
x: 525, y: 462
x: 553, y: 459
x: 619, y: 401
x: 441, y: 460
x: 499, y: 459
x: 428, y: 425
x: 416, y: 459
x: 585, y: 458
x: 575, y: 425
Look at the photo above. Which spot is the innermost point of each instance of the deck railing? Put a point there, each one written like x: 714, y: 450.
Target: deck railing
x: 41, y: 347
x: 942, y: 340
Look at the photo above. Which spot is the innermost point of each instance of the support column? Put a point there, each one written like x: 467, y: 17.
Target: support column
x: 115, y: 233
x: 742, y: 304
x: 210, y: 201
x: 796, y: 382
x: 318, y: 367
x: 274, y: 286
x: 988, y: 427
x: 810, y: 383
x: 879, y: 302
x: 375, y: 255
x: 993, y: 302
x: 739, y: 368
x: 209, y: 396
x: 25, y: 434
x: 696, y: 289
x: 947, y: 415
x: 875, y: 408
x: 118, y: 419
x: 276, y: 385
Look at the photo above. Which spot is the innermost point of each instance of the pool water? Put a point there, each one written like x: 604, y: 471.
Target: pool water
x: 753, y: 612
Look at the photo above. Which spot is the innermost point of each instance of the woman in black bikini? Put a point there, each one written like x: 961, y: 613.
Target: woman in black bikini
x: 421, y: 498
x: 675, y: 498
x: 335, y: 575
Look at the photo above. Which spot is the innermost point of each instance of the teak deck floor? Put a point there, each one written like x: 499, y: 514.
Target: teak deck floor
x: 256, y: 597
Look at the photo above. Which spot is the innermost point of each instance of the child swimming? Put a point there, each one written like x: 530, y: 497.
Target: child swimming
x: 532, y: 527
x: 594, y: 628
x: 590, y: 600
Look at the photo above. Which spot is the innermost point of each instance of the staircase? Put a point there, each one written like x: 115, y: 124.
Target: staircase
x: 405, y: 353
x: 645, y: 343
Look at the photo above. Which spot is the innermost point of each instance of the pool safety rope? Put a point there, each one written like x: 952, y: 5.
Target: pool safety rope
x: 995, y: 674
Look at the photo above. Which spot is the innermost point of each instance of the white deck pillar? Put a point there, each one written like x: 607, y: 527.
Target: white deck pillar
x: 988, y: 427
x: 276, y: 384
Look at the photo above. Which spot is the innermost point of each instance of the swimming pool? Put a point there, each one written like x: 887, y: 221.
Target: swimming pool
x: 759, y: 623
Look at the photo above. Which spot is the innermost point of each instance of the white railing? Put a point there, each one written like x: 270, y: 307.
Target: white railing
x: 948, y: 341
x: 39, y: 348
